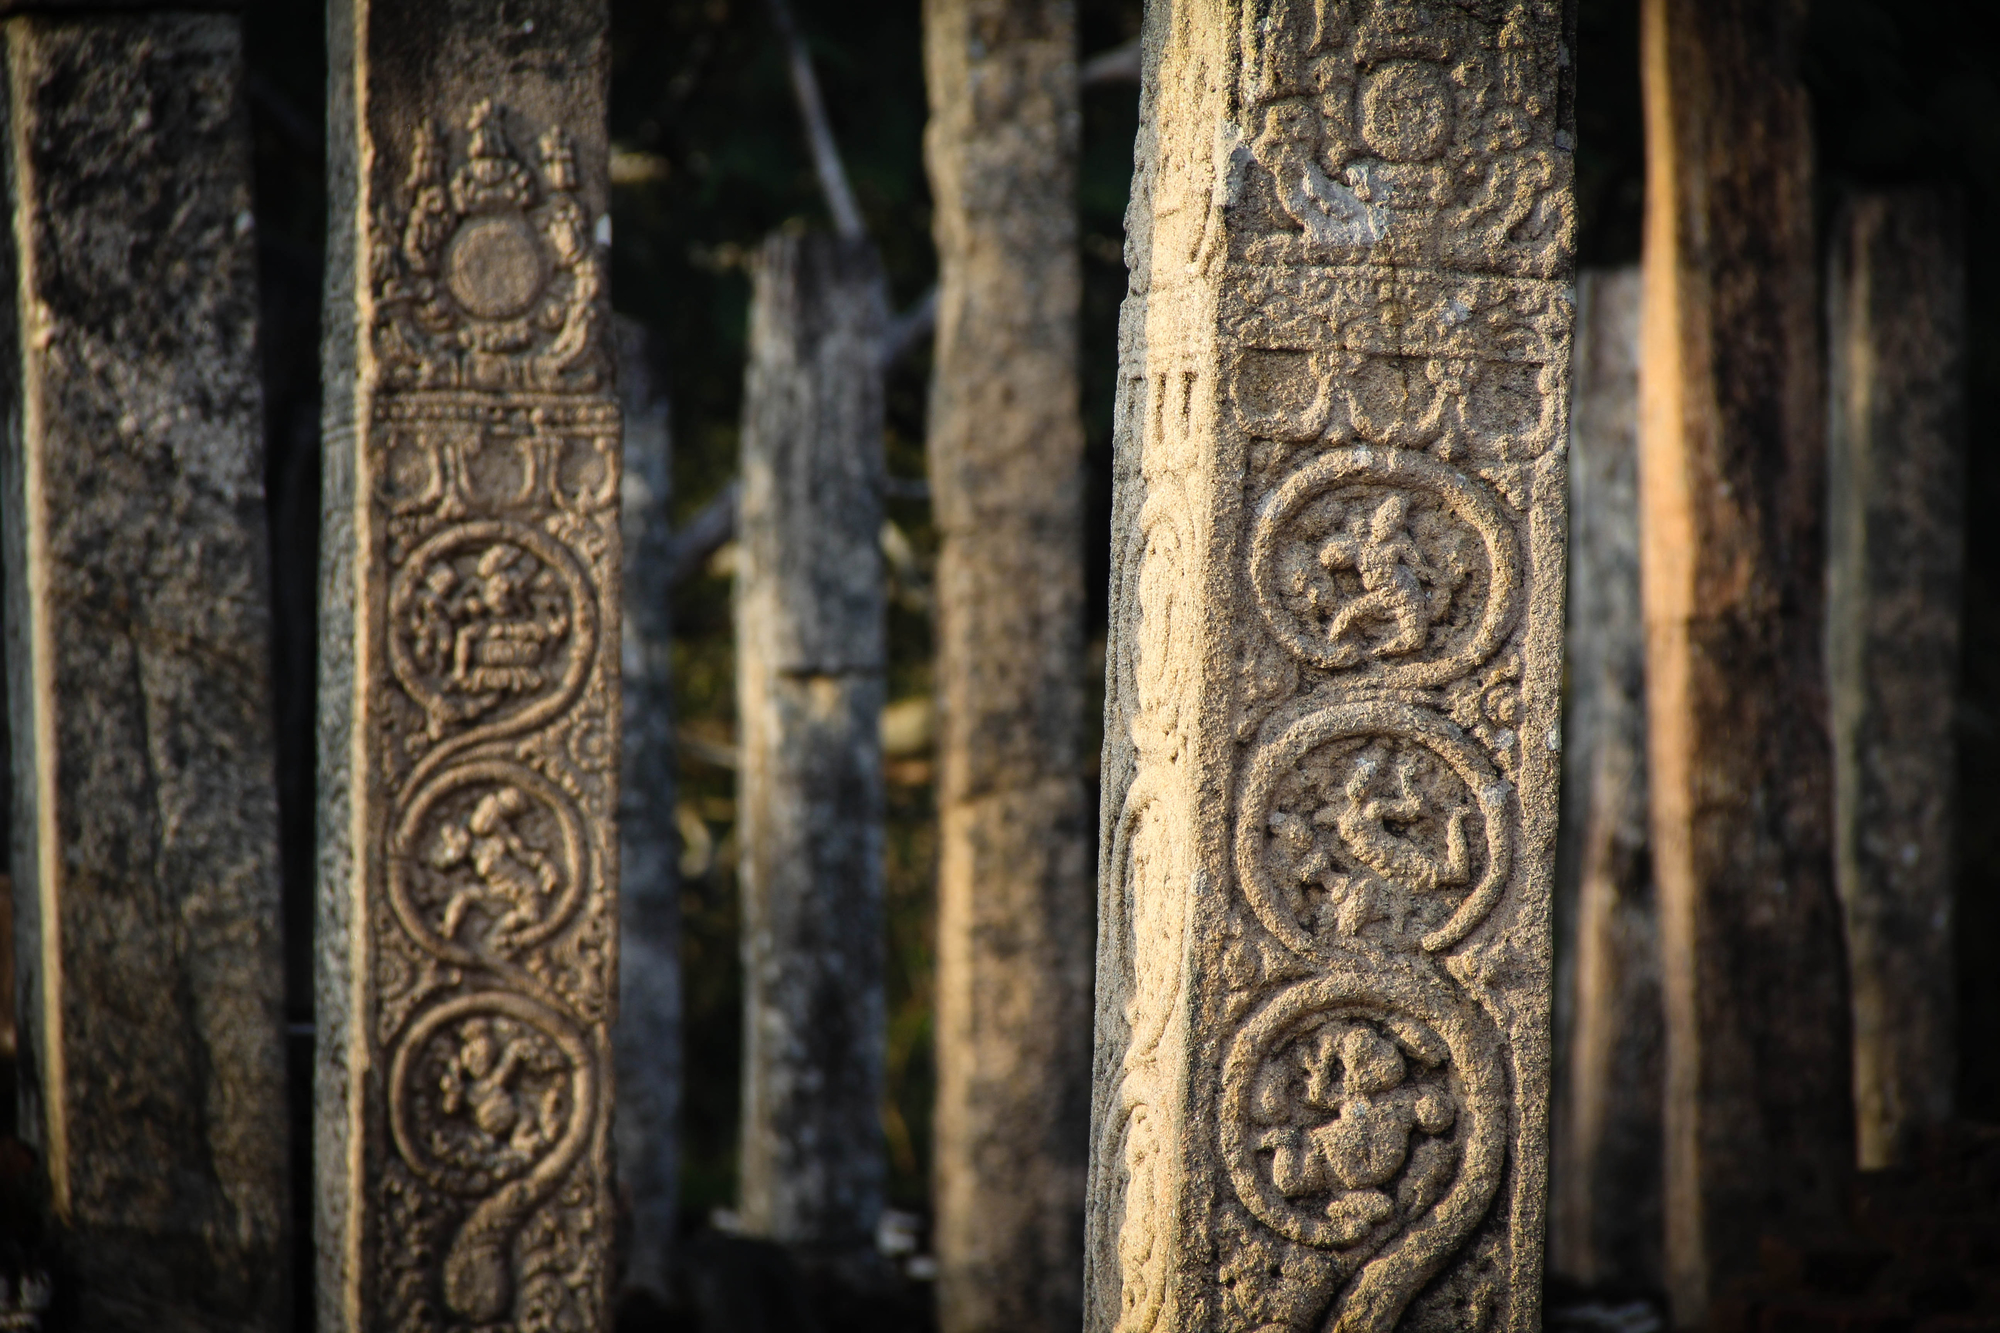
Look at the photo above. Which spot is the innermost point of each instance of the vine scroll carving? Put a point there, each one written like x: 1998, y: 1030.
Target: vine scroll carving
x: 1336, y: 608
x: 468, y: 941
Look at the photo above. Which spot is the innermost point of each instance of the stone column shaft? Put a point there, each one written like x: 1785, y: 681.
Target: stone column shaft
x: 1007, y: 490
x: 648, y: 1037
x: 809, y: 655
x: 1896, y: 519
x: 145, y: 843
x: 469, y: 688
x: 1604, y: 1206
x: 1732, y: 493
x: 1332, y: 725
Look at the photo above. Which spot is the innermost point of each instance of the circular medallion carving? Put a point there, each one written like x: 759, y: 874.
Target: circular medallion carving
x: 489, y: 858
x: 492, y: 1098
x: 1386, y: 562
x: 494, y: 266
x: 1367, y: 1114
x: 1405, y: 110
x: 491, y: 622
x: 1372, y: 825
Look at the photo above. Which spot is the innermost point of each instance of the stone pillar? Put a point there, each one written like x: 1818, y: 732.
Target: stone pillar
x: 145, y: 844
x: 1332, y: 728
x: 469, y: 687
x: 1896, y: 518
x: 647, y: 1040
x: 809, y: 659
x: 1604, y: 1205
x: 1757, y: 1121
x: 1007, y: 488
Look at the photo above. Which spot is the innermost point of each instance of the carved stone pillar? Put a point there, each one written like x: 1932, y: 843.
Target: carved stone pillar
x: 469, y: 676
x: 1007, y: 489
x: 1896, y: 519
x: 1758, y: 1118
x: 809, y: 659
x: 1332, y: 734
x: 145, y: 844
x: 1604, y: 1204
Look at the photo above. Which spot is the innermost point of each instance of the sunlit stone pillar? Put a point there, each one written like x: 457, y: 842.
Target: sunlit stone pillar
x: 469, y: 687
x: 145, y: 839
x: 1332, y: 733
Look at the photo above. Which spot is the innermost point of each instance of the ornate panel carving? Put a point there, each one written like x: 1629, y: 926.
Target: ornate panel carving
x: 487, y: 704
x: 1330, y: 789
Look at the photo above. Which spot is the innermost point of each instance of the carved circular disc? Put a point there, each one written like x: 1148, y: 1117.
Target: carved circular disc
x: 494, y: 266
x: 487, y: 1088
x: 1367, y: 1113
x: 491, y: 623
x: 1405, y: 108
x: 1384, y: 798
x: 491, y: 848
x: 1388, y: 563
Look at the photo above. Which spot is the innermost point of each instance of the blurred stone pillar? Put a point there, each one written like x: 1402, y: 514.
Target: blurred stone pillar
x: 1895, y: 578
x: 469, y: 687
x: 647, y: 1040
x: 145, y: 846
x: 1332, y: 734
x: 809, y: 660
x: 1604, y: 1205
x: 1758, y: 1112
x: 1007, y: 490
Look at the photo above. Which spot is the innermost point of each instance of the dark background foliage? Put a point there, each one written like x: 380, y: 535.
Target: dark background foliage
x: 704, y: 119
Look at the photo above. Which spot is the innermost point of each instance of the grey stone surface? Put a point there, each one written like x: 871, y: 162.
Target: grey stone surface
x: 138, y: 621
x: 809, y: 660
x: 1332, y: 721
x: 470, y: 681
x: 1604, y: 1172
x: 1011, y: 1127
x: 1895, y: 579
x: 647, y: 1041
x: 1732, y: 487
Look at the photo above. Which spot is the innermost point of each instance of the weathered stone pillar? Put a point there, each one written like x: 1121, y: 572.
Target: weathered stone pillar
x: 809, y: 658
x: 1758, y: 1117
x: 1604, y: 1204
x: 469, y: 673
x: 647, y: 1040
x: 145, y: 845
x: 1896, y: 519
x: 1007, y: 488
x: 1332, y: 733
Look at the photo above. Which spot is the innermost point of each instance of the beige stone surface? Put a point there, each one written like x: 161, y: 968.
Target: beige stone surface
x: 1332, y: 727
x: 145, y: 837
x: 1007, y: 489
x: 469, y: 687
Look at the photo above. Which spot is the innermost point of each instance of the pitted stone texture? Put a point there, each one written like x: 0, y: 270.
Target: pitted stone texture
x: 145, y: 824
x: 809, y: 660
x: 1007, y: 490
x: 470, y: 687
x: 1331, y: 724
x: 1896, y: 529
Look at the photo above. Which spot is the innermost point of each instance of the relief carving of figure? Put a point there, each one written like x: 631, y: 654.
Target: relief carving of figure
x: 481, y: 1079
x: 483, y: 633
x: 512, y: 880
x: 1395, y: 574
x: 1336, y: 1114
